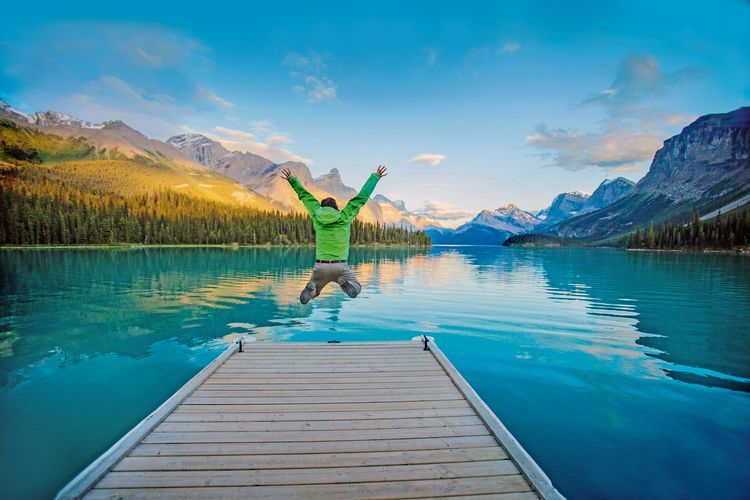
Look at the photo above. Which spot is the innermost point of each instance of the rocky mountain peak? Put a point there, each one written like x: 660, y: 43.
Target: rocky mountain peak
x: 200, y: 148
x: 191, y: 141
x: 507, y: 218
x: 55, y: 119
x: 608, y: 192
x: 9, y: 111
x: 703, y: 168
x: 47, y: 118
x: 332, y: 183
x: 509, y: 208
x: 712, y: 148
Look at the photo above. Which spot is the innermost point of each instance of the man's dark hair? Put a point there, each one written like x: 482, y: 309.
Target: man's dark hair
x: 329, y: 202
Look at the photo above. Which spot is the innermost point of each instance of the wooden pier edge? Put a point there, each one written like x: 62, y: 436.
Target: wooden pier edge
x: 528, y: 467
x: 86, y: 479
x: 79, y: 486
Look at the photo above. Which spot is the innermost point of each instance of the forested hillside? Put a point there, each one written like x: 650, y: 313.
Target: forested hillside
x: 63, y: 191
x: 721, y: 232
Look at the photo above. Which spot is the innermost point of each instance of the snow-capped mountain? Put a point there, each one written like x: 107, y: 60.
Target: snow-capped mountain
x: 48, y: 118
x: 493, y: 227
x: 488, y: 227
x: 111, y: 137
x: 508, y: 218
x: 608, y: 192
x: 575, y: 203
x: 11, y: 112
x: 563, y: 206
x: 394, y: 212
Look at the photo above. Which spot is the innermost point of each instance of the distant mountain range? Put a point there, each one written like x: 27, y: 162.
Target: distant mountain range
x: 114, y: 140
x: 262, y: 176
x: 494, y: 227
x: 487, y: 227
x: 246, y: 178
x: 706, y: 168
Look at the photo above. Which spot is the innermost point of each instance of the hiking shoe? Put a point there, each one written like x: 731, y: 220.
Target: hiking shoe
x: 307, y: 293
x: 349, y: 288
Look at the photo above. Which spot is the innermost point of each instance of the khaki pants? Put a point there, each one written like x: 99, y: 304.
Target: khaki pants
x: 323, y: 274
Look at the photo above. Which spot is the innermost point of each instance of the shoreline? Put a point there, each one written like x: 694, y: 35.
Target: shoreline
x: 136, y: 246
x: 726, y: 251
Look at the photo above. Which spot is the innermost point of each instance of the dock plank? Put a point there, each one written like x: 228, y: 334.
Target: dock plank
x: 310, y: 460
x: 315, y: 420
x: 319, y: 425
x: 301, y: 436
x: 209, y: 449
x: 309, y: 416
x: 281, y: 477
x: 377, y: 490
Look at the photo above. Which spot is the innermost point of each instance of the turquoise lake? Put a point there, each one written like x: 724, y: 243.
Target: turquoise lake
x: 624, y: 374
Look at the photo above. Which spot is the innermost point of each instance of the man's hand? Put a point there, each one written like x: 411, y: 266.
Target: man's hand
x: 381, y: 171
x: 286, y: 174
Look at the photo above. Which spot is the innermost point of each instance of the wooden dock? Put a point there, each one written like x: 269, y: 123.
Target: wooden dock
x: 319, y: 420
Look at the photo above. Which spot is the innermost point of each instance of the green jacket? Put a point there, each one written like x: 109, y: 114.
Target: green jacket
x: 333, y: 227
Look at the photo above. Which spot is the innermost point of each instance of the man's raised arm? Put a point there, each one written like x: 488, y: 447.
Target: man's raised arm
x: 352, y: 208
x: 307, y: 199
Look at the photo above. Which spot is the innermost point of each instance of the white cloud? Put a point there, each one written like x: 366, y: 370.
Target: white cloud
x: 613, y: 149
x: 133, y: 62
x: 639, y: 79
x: 635, y: 125
x: 431, y: 57
x: 111, y: 98
x: 509, y: 48
x: 312, y: 62
x: 261, y: 127
x: 476, y: 54
x: 313, y: 84
x: 432, y: 159
x: 234, y: 134
x: 269, y: 146
x: 446, y: 213
x: 207, y: 95
x: 100, y: 43
x: 152, y: 59
x: 279, y: 139
x: 317, y: 89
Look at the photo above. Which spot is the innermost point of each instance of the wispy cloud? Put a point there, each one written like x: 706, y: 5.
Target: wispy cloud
x: 638, y: 79
x: 234, y: 133
x: 148, y: 75
x: 431, y: 56
x: 110, y: 98
x: 612, y: 149
x: 432, y: 159
x: 268, y: 143
x: 310, y: 72
x: 634, y: 125
x: 446, y: 213
x: 145, y: 45
x: 509, y: 48
x: 207, y: 95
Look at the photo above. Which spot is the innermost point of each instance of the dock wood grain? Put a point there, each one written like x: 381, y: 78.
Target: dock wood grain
x: 318, y: 420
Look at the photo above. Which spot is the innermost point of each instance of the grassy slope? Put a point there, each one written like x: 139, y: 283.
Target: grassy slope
x: 77, y: 161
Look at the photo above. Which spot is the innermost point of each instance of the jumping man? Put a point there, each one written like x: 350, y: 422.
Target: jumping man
x: 332, y: 232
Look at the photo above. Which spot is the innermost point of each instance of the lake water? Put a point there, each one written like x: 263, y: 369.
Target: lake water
x: 624, y: 374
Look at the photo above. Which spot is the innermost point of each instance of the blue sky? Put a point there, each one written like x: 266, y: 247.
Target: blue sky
x: 471, y: 105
